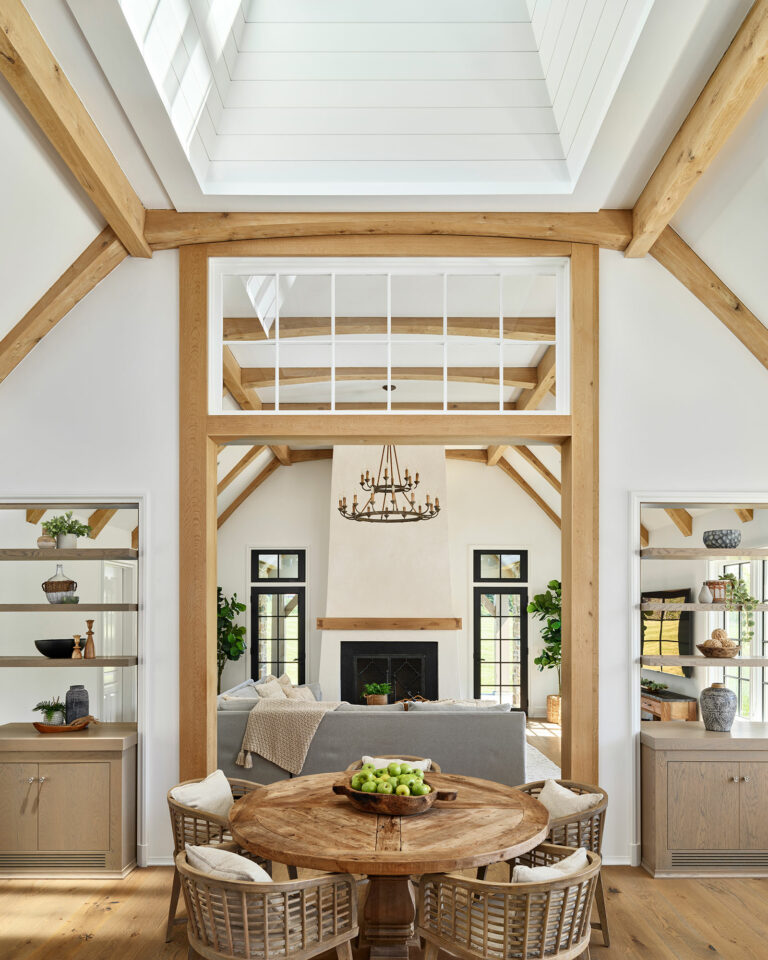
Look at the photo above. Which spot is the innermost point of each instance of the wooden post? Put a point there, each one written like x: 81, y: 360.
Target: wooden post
x: 197, y: 527
x: 580, y: 529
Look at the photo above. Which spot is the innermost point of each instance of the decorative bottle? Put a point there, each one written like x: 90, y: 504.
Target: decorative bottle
x: 705, y: 594
x: 76, y: 702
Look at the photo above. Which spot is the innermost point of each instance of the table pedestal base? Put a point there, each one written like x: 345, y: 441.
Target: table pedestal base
x: 390, y: 913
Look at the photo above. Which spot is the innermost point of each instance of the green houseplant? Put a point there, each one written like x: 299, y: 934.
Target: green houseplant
x: 53, y: 711
x: 66, y: 529
x: 375, y: 694
x: 738, y: 597
x: 547, y: 607
x: 230, y: 636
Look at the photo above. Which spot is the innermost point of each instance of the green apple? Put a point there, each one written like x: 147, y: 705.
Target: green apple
x: 381, y: 772
x: 406, y: 768
x: 370, y: 786
x: 394, y: 769
x: 368, y: 766
x: 402, y: 790
x: 418, y: 773
x: 357, y: 781
x: 385, y: 787
x: 421, y: 789
x: 407, y: 779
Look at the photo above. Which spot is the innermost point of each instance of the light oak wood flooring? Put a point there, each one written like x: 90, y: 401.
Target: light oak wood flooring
x: 545, y: 737
x: 125, y: 920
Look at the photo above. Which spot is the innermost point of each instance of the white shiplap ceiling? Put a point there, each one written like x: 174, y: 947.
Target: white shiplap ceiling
x: 349, y: 97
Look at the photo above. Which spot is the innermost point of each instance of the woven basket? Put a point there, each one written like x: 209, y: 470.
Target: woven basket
x: 554, y: 706
x: 719, y: 653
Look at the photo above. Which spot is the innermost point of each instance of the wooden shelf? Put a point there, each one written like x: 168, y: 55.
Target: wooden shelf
x: 389, y: 623
x: 86, y: 553
x: 699, y: 553
x: 41, y: 661
x: 67, y: 607
x: 662, y: 660
x: 702, y: 607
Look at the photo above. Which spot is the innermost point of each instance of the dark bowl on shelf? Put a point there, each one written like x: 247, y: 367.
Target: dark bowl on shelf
x: 57, y: 649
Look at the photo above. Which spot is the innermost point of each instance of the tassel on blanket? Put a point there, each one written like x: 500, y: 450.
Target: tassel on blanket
x: 243, y: 760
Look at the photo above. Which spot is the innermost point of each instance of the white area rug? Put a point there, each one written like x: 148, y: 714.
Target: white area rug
x: 538, y: 767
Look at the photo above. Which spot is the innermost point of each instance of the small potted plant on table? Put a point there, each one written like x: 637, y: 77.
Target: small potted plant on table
x: 53, y: 711
x: 66, y: 530
x: 376, y: 694
x: 547, y: 607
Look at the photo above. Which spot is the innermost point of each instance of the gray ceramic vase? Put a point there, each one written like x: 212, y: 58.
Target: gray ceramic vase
x: 718, y: 708
x: 76, y: 702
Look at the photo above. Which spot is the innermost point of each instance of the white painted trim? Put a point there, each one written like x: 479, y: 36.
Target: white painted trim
x: 672, y: 498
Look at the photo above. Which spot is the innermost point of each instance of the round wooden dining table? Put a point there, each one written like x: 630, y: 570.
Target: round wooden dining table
x: 303, y: 822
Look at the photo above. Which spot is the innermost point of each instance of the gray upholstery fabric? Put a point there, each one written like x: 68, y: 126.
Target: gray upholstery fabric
x: 476, y: 743
x: 316, y: 689
x: 418, y: 707
x: 364, y: 708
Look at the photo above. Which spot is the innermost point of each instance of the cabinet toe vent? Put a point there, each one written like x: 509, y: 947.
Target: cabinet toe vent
x: 52, y: 861
x: 720, y: 859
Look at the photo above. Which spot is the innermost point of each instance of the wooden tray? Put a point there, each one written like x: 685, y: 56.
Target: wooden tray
x: 389, y: 804
x: 79, y: 724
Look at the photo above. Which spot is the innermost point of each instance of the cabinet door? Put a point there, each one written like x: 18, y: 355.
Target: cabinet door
x: 74, y: 806
x: 18, y: 806
x: 752, y: 807
x: 702, y: 805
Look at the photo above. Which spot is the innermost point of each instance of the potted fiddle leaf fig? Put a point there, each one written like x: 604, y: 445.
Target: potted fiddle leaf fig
x: 547, y: 607
x: 376, y: 694
x: 230, y: 636
x: 66, y: 529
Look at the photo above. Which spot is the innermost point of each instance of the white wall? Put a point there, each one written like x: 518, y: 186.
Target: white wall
x: 682, y: 407
x: 93, y: 410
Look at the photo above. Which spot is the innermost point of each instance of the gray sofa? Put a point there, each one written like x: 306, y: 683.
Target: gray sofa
x: 477, y: 743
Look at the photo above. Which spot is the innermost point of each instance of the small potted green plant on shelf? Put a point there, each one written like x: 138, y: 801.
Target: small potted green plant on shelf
x: 53, y: 711
x: 376, y: 694
x: 66, y: 529
x: 230, y: 636
x: 547, y: 607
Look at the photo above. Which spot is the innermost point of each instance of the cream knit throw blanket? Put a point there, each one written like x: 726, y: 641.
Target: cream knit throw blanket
x: 281, y: 731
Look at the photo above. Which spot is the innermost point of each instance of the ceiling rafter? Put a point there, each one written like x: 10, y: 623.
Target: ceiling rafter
x: 35, y: 516
x: 540, y: 502
x: 644, y: 536
x: 532, y: 460
x: 98, y: 520
x: 745, y: 514
x: 283, y: 454
x: 530, y: 399
x: 494, y: 454
x: 257, y: 481
x: 238, y: 468
x: 39, y: 82
x: 681, y: 519
x: 94, y: 263
x: 673, y: 253
x: 265, y: 376
x: 244, y: 397
x: 734, y: 86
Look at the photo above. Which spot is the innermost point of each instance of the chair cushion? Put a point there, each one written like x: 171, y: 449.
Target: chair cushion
x: 384, y: 762
x: 225, y: 865
x: 214, y: 794
x: 562, y: 802
x: 566, y: 867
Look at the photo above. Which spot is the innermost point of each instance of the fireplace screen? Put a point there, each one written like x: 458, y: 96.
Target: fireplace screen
x: 411, y: 668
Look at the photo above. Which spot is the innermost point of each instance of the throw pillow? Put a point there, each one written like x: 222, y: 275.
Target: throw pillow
x: 383, y: 762
x: 566, y: 867
x: 562, y: 802
x: 285, y: 682
x: 225, y: 865
x: 213, y: 794
x: 268, y: 689
x: 300, y: 693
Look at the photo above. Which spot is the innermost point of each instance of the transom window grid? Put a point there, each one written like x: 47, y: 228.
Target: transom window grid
x: 449, y: 351
x: 278, y: 614
x: 491, y: 566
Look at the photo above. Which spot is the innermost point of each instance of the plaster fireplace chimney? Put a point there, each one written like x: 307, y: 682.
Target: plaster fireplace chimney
x: 392, y: 571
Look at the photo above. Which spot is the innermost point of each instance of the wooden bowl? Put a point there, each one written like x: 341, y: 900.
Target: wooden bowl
x: 719, y: 653
x: 73, y: 727
x: 389, y: 804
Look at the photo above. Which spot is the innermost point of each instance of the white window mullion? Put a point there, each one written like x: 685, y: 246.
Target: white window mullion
x: 389, y: 342
x: 445, y: 341
x: 277, y: 342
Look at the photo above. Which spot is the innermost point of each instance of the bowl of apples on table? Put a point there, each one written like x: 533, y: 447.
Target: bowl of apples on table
x: 397, y: 790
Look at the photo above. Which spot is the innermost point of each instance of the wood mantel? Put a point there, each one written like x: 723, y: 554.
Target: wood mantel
x: 389, y: 623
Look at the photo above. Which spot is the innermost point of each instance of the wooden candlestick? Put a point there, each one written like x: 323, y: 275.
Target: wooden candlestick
x: 90, y: 650
x: 77, y: 653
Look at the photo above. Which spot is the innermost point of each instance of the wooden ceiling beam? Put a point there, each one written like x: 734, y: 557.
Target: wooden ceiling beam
x: 473, y: 456
x: 166, y: 229
x: 35, y: 516
x: 98, y: 520
x: 94, y: 263
x: 494, y: 454
x: 283, y: 454
x: 265, y: 376
x: 745, y: 514
x: 532, y: 460
x: 675, y: 255
x: 244, y: 397
x: 736, y: 83
x: 530, y: 399
x: 39, y: 82
x: 135, y: 538
x: 644, y: 536
x: 515, y: 328
x: 524, y: 485
x: 307, y: 456
x: 257, y: 481
x: 681, y: 519
x: 238, y: 468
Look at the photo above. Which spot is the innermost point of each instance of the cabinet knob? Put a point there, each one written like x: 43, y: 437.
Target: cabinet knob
x: 745, y: 779
x: 31, y: 779
x: 734, y: 779
x: 42, y: 779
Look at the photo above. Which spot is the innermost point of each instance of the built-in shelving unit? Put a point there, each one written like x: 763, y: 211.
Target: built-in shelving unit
x: 68, y: 607
x: 700, y: 607
x: 84, y: 553
x: 118, y: 661
x: 669, y: 660
x: 700, y: 553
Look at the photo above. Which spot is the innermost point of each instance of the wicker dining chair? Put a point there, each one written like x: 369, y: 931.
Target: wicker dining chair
x: 244, y: 920
x: 478, y: 920
x: 583, y: 829
x: 193, y: 826
x: 434, y: 768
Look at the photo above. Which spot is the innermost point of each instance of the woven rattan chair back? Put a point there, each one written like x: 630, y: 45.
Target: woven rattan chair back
x: 243, y: 920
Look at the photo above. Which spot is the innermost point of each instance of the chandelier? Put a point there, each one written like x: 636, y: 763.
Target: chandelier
x: 390, y: 497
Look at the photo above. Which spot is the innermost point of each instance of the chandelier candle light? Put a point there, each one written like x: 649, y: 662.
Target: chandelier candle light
x: 395, y: 505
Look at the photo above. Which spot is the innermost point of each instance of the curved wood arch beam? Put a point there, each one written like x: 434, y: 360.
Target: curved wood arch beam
x: 734, y: 86
x: 265, y: 376
x: 165, y: 229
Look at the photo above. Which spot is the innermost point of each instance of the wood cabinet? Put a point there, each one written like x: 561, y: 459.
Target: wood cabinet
x: 704, y: 810
x: 67, y: 801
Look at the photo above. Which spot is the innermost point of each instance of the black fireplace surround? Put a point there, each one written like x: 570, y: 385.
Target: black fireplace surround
x: 411, y: 668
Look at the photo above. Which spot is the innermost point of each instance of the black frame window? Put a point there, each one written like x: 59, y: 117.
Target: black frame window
x: 505, y: 566
x: 278, y: 632
x: 279, y: 566
x: 501, y: 644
